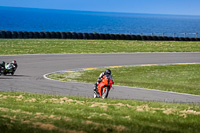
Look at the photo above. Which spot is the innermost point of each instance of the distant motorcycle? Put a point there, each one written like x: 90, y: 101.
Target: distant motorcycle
x: 103, y: 88
x: 9, y: 69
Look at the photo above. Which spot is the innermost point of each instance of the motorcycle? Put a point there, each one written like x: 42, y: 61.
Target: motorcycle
x: 9, y: 69
x: 103, y: 88
x: 1, y: 70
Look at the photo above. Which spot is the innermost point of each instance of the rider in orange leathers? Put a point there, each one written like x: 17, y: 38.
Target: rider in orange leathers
x: 107, y: 73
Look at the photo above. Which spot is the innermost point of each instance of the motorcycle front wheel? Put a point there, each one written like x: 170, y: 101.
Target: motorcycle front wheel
x: 104, y: 92
x: 95, y: 95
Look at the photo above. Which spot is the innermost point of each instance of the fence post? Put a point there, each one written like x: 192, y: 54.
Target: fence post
x: 174, y: 35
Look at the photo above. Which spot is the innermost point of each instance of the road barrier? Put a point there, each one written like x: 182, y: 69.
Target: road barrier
x: 103, y: 36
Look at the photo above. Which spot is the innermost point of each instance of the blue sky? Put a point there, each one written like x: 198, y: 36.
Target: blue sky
x: 179, y: 7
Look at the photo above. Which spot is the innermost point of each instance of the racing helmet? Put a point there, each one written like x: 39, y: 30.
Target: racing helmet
x: 14, y: 61
x: 108, y: 71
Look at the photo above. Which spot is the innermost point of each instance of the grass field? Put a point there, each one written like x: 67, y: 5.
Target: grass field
x: 175, y: 78
x: 37, y: 113
x: 25, y: 112
x: 49, y: 46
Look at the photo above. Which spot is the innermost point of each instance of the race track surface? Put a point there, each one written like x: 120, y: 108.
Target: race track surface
x: 29, y: 75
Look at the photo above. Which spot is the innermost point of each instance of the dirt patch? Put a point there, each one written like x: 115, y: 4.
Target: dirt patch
x: 99, y: 115
x: 153, y: 110
x: 52, y: 127
x: 190, y: 112
x: 46, y: 126
x: 53, y: 100
x: 10, y: 117
x: 127, y: 117
x: 102, y: 105
x: 4, y: 109
x: 31, y: 100
x: 3, y: 97
x: 63, y: 100
x: 25, y: 122
x: 19, y: 98
x: 20, y: 111
x: 120, y: 128
x: 116, y: 128
x: 92, y: 123
x: 118, y: 105
x: 169, y: 111
x: 143, y: 108
x: 38, y: 113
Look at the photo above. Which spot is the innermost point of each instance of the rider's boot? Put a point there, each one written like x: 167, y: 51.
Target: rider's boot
x: 95, y: 87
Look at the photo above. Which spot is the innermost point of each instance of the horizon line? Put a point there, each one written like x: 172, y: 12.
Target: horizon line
x: 100, y: 11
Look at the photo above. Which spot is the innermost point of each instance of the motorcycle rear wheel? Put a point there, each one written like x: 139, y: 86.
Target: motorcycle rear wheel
x: 4, y: 73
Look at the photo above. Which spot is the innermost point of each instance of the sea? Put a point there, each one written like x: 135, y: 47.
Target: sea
x: 33, y: 19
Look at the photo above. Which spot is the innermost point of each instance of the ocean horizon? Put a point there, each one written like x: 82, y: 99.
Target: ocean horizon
x: 34, y: 19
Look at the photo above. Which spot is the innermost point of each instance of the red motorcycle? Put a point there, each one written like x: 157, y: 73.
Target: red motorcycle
x: 103, y: 88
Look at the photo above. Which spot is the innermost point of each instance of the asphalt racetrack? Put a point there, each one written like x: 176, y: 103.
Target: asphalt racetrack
x: 29, y: 75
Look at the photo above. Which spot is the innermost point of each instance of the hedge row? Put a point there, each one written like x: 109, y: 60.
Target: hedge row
x: 74, y: 35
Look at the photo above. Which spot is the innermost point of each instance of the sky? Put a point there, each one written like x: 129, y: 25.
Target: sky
x: 175, y: 7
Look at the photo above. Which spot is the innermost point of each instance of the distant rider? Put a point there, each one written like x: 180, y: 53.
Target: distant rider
x: 14, y: 64
x: 107, y: 73
x: 2, y: 64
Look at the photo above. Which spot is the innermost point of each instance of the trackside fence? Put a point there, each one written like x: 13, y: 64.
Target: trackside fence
x: 103, y: 36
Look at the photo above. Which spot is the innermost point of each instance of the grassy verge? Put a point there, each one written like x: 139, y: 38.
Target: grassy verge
x: 48, y: 46
x: 175, y: 78
x: 25, y: 112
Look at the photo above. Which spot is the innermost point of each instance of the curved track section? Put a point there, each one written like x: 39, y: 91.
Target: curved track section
x: 29, y: 75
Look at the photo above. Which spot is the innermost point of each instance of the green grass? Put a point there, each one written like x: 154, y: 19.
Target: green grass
x: 175, y: 78
x: 49, y: 46
x: 26, y: 112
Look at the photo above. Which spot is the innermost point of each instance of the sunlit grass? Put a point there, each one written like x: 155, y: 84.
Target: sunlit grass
x: 175, y: 78
x: 49, y: 46
x: 26, y: 112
